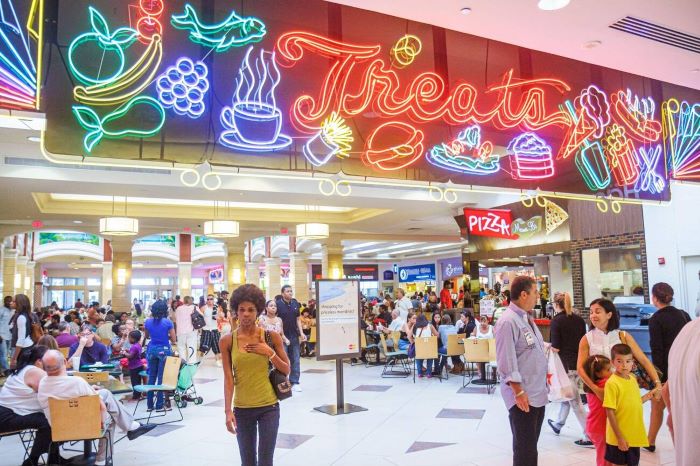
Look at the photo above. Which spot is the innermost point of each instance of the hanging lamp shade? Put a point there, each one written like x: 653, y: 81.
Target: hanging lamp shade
x: 313, y: 230
x: 119, y: 226
x: 221, y: 228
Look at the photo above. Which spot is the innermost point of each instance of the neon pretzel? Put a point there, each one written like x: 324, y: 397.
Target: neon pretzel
x: 681, y: 131
x: 637, y: 115
x: 466, y: 154
x: 621, y: 155
x: 649, y: 180
x: 18, y: 75
x: 254, y: 122
x: 376, y: 87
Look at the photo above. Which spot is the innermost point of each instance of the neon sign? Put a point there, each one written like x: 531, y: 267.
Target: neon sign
x: 637, y: 116
x: 394, y: 156
x: 621, y: 155
x: 406, y: 50
x: 182, y: 87
x: 681, y: 130
x: 334, y: 139
x: 235, y: 31
x: 593, y: 166
x: 97, y: 127
x: 466, y: 154
x: 531, y: 157
x: 649, y: 180
x: 18, y: 73
x: 254, y: 122
x: 148, y: 23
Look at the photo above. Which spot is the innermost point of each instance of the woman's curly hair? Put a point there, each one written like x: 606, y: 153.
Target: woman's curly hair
x: 248, y: 293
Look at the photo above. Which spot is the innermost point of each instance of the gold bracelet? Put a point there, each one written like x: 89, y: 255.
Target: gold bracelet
x: 522, y: 392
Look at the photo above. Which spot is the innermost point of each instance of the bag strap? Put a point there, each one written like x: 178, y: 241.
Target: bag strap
x: 623, y: 337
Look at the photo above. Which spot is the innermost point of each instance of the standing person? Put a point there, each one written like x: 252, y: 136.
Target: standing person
x: 288, y: 310
x: 622, y: 401
x: 664, y: 326
x: 403, y: 304
x: 566, y: 331
x: 522, y: 365
x: 186, y: 333
x: 598, y: 369
x: 161, y: 332
x: 135, y: 364
x: 446, y: 296
x: 256, y: 413
x: 5, y: 335
x: 21, y: 326
x: 271, y: 322
x: 683, y: 391
x: 599, y: 342
x: 210, y: 332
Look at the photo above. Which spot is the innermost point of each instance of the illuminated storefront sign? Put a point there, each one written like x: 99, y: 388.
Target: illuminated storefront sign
x: 268, y: 88
x: 361, y: 272
x: 495, y: 223
x: 417, y: 273
x: 451, y: 268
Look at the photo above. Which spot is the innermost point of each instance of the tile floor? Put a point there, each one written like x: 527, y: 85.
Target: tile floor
x: 425, y: 423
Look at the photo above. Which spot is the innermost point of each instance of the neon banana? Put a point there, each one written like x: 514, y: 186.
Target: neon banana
x: 129, y: 84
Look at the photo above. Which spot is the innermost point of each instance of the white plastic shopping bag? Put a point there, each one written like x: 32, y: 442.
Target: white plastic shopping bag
x: 560, y: 387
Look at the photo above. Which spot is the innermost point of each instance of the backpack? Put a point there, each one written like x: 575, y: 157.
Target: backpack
x: 197, y: 319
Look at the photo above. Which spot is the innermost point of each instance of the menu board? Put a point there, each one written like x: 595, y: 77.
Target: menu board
x: 337, y: 319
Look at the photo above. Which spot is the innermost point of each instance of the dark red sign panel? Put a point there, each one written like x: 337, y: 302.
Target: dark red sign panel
x: 489, y: 222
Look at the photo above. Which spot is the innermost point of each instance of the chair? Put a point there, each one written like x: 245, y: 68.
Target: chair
x: 454, y: 348
x: 107, y: 342
x: 426, y: 348
x: 170, y: 378
x: 390, y: 360
x: 26, y: 436
x: 78, y: 419
x: 369, y: 348
x: 479, y: 351
x: 395, y: 337
x: 64, y: 351
x: 312, y: 335
x: 93, y: 377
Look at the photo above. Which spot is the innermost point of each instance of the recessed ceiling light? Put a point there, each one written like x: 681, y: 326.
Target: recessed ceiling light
x: 465, y: 11
x: 591, y: 44
x: 33, y: 139
x: 552, y: 4
x: 77, y: 222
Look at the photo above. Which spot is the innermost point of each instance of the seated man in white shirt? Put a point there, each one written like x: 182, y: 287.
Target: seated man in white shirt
x: 395, y: 326
x: 58, y: 384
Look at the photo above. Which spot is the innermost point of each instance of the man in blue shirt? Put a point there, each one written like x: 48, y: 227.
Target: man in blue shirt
x: 288, y: 311
x: 88, y: 350
x: 522, y: 366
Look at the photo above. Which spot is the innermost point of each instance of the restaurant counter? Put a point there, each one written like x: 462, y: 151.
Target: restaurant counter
x: 543, y: 325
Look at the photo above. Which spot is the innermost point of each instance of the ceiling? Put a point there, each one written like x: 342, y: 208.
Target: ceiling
x: 564, y: 32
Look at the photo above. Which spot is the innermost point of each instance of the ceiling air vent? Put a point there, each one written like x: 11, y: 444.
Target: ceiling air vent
x: 655, y: 32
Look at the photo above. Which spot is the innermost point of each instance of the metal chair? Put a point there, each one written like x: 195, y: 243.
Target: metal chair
x: 480, y: 351
x: 26, y: 437
x: 390, y: 360
x: 170, y: 378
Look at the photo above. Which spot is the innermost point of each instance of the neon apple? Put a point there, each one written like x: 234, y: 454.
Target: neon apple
x: 352, y: 89
x: 254, y: 122
x: 235, y: 31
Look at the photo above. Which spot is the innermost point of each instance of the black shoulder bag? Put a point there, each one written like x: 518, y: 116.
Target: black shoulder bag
x: 280, y: 383
x: 197, y: 319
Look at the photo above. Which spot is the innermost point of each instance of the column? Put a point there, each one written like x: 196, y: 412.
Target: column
x: 9, y: 272
x: 235, y: 270
x: 299, y: 275
x: 20, y: 274
x: 106, y: 291
x: 38, y: 287
x: 28, y: 283
x: 121, y: 276
x: 184, y: 266
x: 2, y: 268
x: 252, y: 273
x: 332, y: 261
x: 273, y: 281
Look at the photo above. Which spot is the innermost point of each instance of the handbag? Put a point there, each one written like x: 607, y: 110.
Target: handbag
x: 644, y: 379
x: 197, y: 320
x: 558, y: 381
x: 280, y: 383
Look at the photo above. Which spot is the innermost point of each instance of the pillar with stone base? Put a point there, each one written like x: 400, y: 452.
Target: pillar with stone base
x: 273, y: 279
x: 332, y: 262
x: 299, y: 275
x: 21, y: 274
x: 9, y: 273
x: 235, y: 269
x: 121, y: 280
x: 252, y: 273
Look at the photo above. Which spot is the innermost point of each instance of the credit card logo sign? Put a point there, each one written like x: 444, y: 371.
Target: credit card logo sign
x: 489, y: 222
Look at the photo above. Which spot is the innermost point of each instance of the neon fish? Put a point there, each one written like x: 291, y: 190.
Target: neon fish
x: 236, y: 31
x: 96, y: 126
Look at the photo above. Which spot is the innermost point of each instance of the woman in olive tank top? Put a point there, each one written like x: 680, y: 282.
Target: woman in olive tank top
x: 246, y: 356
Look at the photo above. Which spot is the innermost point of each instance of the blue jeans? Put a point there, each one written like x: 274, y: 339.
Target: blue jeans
x: 419, y: 366
x: 257, y: 426
x: 156, y: 364
x: 4, y: 354
x: 293, y: 350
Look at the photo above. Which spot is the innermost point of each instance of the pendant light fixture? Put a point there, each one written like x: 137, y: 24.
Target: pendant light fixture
x: 221, y: 228
x: 313, y: 230
x: 119, y: 226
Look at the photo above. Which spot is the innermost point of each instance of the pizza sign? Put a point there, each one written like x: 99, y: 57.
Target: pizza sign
x: 489, y: 222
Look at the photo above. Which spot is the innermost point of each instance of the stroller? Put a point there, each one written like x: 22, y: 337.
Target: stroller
x: 186, y: 391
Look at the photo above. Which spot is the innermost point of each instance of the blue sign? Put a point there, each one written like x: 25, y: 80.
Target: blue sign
x: 388, y: 275
x: 417, y: 273
x: 451, y: 268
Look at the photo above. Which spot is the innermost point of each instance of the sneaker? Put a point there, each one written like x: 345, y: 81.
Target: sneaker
x: 164, y: 409
x: 555, y: 427
x: 100, y: 462
x: 584, y: 443
x: 296, y: 387
x: 420, y: 376
x: 430, y: 376
x: 139, y: 431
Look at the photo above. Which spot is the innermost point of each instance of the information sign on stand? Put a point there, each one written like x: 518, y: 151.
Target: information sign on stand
x: 486, y: 307
x: 338, y: 333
